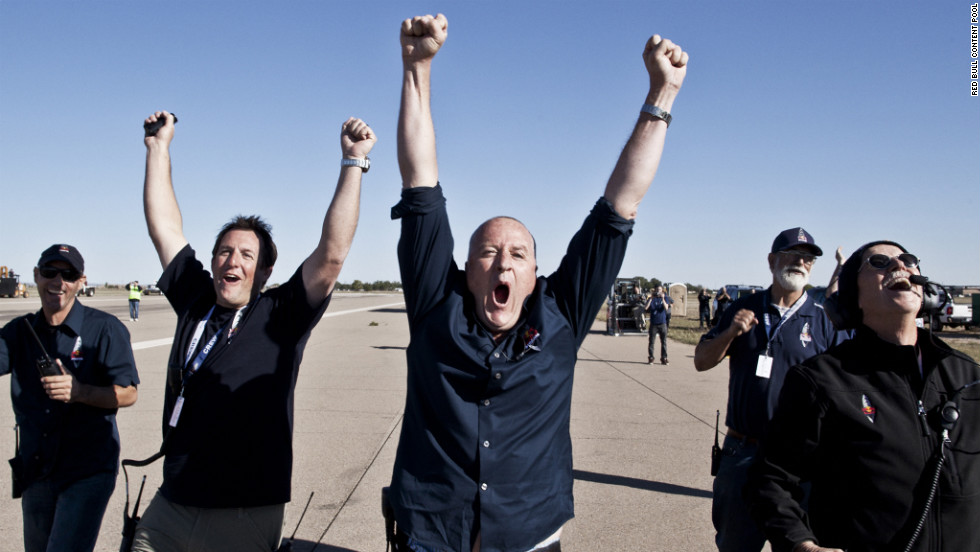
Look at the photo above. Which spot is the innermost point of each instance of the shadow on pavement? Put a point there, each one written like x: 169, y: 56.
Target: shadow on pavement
x: 300, y: 545
x: 643, y: 484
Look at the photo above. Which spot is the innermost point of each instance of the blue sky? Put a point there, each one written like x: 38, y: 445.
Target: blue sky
x: 851, y: 119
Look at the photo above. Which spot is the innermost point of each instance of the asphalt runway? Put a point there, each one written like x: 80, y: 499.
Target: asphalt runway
x: 641, y: 434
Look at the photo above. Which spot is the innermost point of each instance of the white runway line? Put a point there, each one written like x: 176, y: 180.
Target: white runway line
x: 168, y: 340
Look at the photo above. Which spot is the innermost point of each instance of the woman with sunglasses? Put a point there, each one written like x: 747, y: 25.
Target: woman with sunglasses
x: 885, y: 426
x: 68, y: 453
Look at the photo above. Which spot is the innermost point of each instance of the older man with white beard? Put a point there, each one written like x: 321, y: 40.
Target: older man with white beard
x: 764, y: 334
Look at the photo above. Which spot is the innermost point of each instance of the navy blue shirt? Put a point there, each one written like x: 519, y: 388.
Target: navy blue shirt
x: 806, y: 333
x: 58, y: 441
x: 233, y: 444
x: 658, y: 311
x: 485, y: 442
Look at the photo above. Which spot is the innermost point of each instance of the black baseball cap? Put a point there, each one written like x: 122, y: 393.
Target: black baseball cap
x: 793, y: 237
x: 63, y: 252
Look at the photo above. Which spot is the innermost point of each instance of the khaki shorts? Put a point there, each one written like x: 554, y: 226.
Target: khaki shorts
x: 169, y: 527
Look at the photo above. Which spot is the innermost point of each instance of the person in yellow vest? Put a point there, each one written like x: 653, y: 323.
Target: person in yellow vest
x: 135, y: 293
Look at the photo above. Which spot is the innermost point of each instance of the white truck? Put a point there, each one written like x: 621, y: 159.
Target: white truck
x: 952, y: 315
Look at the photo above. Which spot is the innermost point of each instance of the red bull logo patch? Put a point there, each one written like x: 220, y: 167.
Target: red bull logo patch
x: 868, y: 409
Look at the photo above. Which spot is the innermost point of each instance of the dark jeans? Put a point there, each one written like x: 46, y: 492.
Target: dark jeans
x: 655, y: 330
x: 704, y: 317
x: 66, y: 516
x: 134, y: 308
x: 736, y: 531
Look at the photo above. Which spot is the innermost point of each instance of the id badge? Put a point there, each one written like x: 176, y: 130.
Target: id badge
x: 176, y: 413
x: 764, y: 367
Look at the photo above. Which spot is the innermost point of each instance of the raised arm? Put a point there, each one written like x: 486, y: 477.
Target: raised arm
x: 322, y: 268
x: 666, y: 64
x: 163, y: 218
x: 421, y: 38
x: 832, y: 284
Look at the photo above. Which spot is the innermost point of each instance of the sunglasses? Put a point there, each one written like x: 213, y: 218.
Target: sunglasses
x: 794, y: 256
x: 880, y: 261
x: 67, y: 274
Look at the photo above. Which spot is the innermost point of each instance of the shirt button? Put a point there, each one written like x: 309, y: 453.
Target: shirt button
x: 496, y: 355
x: 47, y: 411
x: 486, y: 444
x: 486, y: 402
x: 496, y: 376
x: 484, y: 486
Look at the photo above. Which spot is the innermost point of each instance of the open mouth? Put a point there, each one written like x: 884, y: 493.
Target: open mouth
x: 501, y: 293
x: 897, y: 281
x: 230, y: 278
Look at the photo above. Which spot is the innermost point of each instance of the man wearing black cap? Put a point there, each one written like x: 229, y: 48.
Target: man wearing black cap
x: 68, y: 454
x: 764, y: 334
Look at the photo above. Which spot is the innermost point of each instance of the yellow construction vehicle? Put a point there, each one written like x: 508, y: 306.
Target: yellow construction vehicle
x: 10, y: 285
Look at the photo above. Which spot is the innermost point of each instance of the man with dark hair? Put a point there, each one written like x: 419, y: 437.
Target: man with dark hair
x: 884, y: 427
x: 764, y: 334
x: 234, y: 362
x: 484, y: 460
x: 68, y: 454
x: 262, y: 230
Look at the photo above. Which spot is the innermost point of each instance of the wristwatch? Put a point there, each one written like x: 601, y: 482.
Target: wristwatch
x: 657, y: 113
x: 364, y: 164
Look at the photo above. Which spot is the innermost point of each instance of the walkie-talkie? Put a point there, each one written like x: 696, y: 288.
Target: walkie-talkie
x: 45, y: 365
x: 151, y: 129
x: 715, y: 449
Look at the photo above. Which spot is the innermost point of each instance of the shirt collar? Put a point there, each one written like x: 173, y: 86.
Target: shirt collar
x: 73, y: 321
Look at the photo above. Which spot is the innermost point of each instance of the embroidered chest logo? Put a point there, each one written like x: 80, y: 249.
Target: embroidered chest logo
x: 868, y: 409
x: 76, y: 352
x: 530, y: 337
x: 805, y: 337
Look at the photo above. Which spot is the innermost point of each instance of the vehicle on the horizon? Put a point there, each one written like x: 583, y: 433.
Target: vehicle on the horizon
x: 623, y: 301
x: 152, y: 289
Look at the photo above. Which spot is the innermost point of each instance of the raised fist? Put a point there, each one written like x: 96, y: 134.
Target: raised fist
x: 422, y: 36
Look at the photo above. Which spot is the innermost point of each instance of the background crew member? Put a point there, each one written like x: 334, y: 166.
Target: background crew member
x: 658, y: 307
x: 135, y: 293
x: 484, y: 460
x: 764, y: 334
x: 69, y: 443
x: 228, y: 407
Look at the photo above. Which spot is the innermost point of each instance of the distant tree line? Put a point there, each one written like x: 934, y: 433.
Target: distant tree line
x: 378, y: 285
x: 648, y: 285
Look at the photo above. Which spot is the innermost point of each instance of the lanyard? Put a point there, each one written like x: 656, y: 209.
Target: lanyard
x: 770, y: 334
x: 191, y: 367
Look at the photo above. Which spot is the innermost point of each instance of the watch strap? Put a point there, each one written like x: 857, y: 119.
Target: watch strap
x: 657, y: 113
x: 364, y: 164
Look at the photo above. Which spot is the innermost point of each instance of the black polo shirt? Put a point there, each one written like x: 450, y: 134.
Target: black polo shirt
x: 58, y: 441
x: 233, y: 444
x: 485, y: 442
